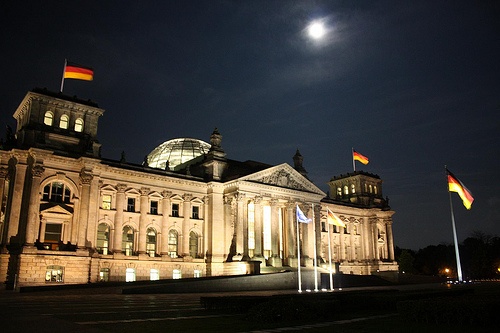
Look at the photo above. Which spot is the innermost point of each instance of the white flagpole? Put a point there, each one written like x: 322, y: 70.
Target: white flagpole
x: 457, y: 255
x: 315, y: 254
x: 64, y: 71
x: 329, y: 253
x: 298, y: 253
x: 353, y: 161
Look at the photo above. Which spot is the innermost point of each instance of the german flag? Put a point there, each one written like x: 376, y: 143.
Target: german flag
x: 455, y: 185
x: 358, y: 157
x: 79, y: 72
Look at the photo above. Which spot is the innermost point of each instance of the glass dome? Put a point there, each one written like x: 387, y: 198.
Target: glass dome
x: 176, y: 151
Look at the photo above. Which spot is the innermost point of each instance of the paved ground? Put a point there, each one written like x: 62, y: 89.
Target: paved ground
x: 76, y: 311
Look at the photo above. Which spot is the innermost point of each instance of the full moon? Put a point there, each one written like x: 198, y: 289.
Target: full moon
x: 316, y: 30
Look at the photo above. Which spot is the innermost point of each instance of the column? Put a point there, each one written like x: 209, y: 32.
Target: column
x: 18, y: 180
x: 375, y: 239
x: 291, y: 236
x: 275, y: 259
x: 85, y: 179
x: 120, y: 207
x: 257, y: 253
x: 365, y: 238
x: 3, y: 176
x: 243, y: 206
x: 390, y: 240
x: 186, y: 205
x: 206, y: 235
x: 143, y: 218
x: 164, y: 221
x: 34, y: 206
x: 342, y: 242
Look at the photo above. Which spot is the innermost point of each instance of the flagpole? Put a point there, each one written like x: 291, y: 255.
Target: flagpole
x: 64, y: 71
x: 298, y: 253
x: 315, y: 254
x: 353, y: 161
x: 329, y: 253
x: 457, y: 255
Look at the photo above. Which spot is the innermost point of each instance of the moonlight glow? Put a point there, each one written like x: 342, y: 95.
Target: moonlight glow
x: 316, y: 30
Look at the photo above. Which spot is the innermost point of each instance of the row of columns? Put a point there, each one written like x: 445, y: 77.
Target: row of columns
x: 237, y: 229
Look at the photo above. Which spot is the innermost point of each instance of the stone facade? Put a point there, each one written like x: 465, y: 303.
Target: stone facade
x: 69, y: 216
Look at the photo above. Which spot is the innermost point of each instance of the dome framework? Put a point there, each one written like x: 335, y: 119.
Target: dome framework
x: 176, y: 152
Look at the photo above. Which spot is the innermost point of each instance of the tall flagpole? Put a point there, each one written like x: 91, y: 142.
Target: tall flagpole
x: 457, y: 255
x: 64, y: 71
x: 352, y: 156
x: 329, y: 253
x: 298, y: 252
x: 315, y: 255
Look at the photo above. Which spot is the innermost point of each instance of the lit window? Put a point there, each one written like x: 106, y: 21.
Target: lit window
x: 154, y: 274
x: 176, y: 274
x: 172, y: 243
x: 130, y: 204
x: 56, y: 192
x: 375, y: 188
x: 346, y: 189
x: 102, y: 238
x: 106, y: 201
x: 79, y: 125
x: 339, y: 191
x: 153, y: 207
x: 130, y: 275
x: 196, y: 212
x: 104, y: 275
x: 128, y: 241
x: 197, y: 273
x: 53, y: 232
x: 49, y: 118
x: 63, y: 122
x: 193, y: 244
x: 371, y: 188
x: 353, y: 188
x: 151, y: 242
x: 175, y: 210
x: 54, y: 273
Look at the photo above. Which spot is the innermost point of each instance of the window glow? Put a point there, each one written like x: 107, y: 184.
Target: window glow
x: 63, y: 122
x: 79, y: 125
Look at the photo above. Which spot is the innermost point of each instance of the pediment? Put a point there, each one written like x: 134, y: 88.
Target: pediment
x: 285, y: 176
x: 55, y: 209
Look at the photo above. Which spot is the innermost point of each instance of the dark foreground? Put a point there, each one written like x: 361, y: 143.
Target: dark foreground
x: 367, y: 309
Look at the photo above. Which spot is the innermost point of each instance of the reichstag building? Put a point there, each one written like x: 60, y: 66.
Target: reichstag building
x: 69, y: 216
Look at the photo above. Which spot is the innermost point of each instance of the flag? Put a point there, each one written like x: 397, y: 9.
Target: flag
x: 79, y: 72
x: 334, y: 219
x: 358, y: 157
x: 301, y: 217
x: 455, y: 185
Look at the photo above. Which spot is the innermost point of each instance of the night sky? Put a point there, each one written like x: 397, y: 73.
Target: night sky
x: 412, y: 85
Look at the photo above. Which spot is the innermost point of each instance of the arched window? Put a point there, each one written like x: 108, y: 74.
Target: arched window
x: 353, y: 188
x: 339, y: 191
x: 56, y: 192
x: 172, y: 243
x: 346, y: 189
x: 102, y: 238
x: 64, y: 121
x: 79, y: 125
x: 48, y: 119
x: 128, y: 241
x: 151, y: 242
x: 193, y: 244
x: 130, y: 275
